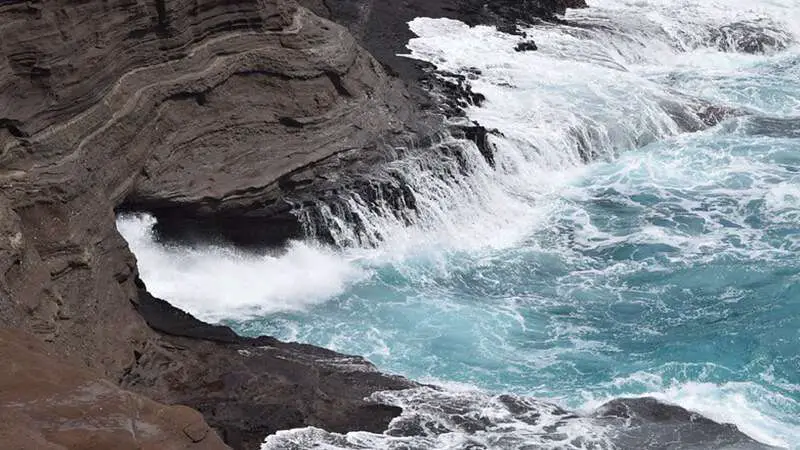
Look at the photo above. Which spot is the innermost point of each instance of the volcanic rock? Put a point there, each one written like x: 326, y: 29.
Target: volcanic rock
x: 526, y: 46
x: 382, y: 27
x: 47, y: 403
x: 196, y: 110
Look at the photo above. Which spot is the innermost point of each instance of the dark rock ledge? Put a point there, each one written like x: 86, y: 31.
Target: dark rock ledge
x: 248, y: 388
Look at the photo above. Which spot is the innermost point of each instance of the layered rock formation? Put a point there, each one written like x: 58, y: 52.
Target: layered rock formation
x: 190, y: 109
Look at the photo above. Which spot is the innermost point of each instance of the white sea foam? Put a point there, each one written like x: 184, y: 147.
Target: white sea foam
x: 214, y: 283
x: 759, y: 412
x: 456, y: 419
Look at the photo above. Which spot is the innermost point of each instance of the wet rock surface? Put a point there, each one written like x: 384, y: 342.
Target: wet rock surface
x: 750, y: 37
x: 526, y: 46
x: 435, y: 418
x: 641, y: 423
x: 248, y: 388
x: 647, y: 423
x: 693, y: 114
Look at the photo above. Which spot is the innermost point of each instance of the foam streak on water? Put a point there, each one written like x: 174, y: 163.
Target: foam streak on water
x: 666, y: 267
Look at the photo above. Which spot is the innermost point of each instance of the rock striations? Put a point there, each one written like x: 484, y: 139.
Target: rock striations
x: 200, y: 110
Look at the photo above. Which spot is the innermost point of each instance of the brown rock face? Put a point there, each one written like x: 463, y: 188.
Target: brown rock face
x: 48, y: 404
x: 199, y: 110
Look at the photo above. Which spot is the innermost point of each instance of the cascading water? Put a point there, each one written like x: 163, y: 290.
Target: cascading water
x: 667, y: 267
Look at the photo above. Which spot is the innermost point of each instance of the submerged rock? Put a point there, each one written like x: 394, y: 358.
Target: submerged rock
x: 779, y: 127
x: 750, y: 37
x: 694, y: 114
x: 526, y: 46
x: 648, y: 423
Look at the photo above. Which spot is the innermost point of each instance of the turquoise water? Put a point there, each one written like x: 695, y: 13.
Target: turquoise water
x: 672, y: 269
x: 668, y: 267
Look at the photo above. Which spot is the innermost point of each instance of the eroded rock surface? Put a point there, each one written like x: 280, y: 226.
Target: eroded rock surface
x: 189, y: 108
x: 48, y: 404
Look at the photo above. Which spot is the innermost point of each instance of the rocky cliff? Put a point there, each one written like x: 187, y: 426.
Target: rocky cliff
x: 201, y: 110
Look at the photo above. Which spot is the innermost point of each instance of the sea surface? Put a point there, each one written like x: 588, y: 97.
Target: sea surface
x: 667, y: 266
